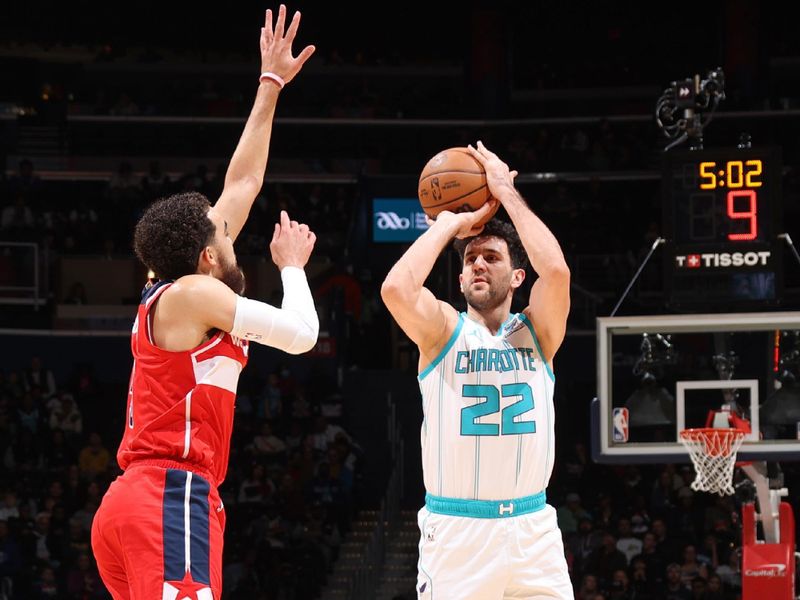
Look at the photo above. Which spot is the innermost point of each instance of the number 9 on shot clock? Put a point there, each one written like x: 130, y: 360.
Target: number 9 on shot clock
x: 721, y: 219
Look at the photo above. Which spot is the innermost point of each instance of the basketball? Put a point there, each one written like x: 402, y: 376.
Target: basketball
x: 453, y: 180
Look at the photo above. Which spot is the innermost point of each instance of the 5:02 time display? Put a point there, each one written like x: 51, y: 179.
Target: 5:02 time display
x: 733, y: 174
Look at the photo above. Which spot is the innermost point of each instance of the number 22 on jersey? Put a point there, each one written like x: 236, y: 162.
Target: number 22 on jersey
x: 491, y: 405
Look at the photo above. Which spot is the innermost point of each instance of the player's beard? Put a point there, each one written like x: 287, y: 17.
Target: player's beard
x: 232, y: 276
x: 487, y: 299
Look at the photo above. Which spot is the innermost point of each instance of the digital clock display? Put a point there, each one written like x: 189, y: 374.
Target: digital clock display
x: 721, y: 218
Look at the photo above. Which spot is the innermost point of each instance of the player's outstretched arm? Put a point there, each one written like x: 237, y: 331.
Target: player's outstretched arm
x: 200, y: 303
x: 245, y: 174
x: 424, y: 319
x: 549, y: 303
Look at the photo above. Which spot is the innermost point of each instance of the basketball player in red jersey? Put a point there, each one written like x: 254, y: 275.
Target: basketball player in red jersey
x: 158, y: 532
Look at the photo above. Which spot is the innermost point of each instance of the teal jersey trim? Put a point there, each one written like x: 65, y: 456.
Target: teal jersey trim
x: 527, y: 322
x: 445, y: 350
x: 503, y: 326
x: 485, y: 509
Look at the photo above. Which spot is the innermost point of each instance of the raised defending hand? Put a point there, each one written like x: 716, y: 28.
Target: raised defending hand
x: 499, y: 178
x: 292, y: 243
x: 276, y: 46
x: 467, y: 223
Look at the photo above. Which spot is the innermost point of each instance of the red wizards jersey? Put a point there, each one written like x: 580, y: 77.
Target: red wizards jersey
x: 180, y: 404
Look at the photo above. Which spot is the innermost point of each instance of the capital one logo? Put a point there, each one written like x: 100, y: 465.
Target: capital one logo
x: 768, y: 570
x: 391, y: 220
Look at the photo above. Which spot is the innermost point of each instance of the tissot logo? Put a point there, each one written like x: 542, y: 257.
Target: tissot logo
x: 722, y: 259
x: 768, y: 570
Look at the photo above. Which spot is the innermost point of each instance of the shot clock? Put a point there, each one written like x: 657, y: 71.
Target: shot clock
x: 721, y: 218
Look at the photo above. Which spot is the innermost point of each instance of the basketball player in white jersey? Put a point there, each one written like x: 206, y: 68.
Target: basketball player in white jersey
x: 486, y: 377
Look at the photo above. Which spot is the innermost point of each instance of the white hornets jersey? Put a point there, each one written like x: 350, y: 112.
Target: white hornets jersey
x: 488, y: 431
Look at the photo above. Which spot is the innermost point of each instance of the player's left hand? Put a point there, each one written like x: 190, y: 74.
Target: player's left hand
x: 499, y: 178
x: 276, y: 46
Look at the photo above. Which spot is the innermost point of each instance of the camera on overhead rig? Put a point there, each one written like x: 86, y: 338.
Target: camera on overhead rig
x: 680, y: 108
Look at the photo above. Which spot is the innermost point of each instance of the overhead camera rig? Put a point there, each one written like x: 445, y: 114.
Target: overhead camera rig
x: 681, y: 107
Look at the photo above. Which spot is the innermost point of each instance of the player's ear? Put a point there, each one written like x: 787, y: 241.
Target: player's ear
x: 517, y: 277
x: 461, y: 282
x: 207, y: 260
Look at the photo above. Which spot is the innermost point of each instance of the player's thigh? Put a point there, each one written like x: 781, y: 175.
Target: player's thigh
x: 162, y: 529
x: 459, y: 558
x: 538, y: 566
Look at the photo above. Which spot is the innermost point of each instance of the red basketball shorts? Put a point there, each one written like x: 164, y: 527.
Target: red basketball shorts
x: 158, y: 534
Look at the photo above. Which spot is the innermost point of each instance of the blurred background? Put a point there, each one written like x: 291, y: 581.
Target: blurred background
x: 106, y: 107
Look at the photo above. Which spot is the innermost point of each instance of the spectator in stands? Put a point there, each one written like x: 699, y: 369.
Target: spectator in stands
x: 267, y: 444
x: 606, y: 559
x: 255, y: 488
x: 94, y: 459
x: 45, y: 585
x: 29, y: 415
x: 58, y: 454
x: 16, y: 220
x: 37, y: 374
x: 10, y: 560
x: 588, y: 588
x: 584, y: 542
x: 641, y: 586
x: 731, y: 573
x: 571, y: 513
x: 686, y: 523
x: 666, y: 546
x: 675, y: 589
x: 620, y: 588
x: 662, y: 498
x: 652, y: 558
x: 83, y: 581
x: 604, y: 515
x: 714, y: 589
x: 65, y: 415
x: 690, y: 567
x: 629, y: 545
x: 9, y: 509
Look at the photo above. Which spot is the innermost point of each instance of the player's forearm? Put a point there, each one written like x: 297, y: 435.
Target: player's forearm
x: 540, y: 244
x: 407, y: 277
x: 249, y: 160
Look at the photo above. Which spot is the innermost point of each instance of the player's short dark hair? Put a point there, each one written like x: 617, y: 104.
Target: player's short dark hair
x: 499, y: 229
x: 171, y: 234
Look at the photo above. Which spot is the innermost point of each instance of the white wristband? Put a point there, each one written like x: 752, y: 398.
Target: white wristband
x: 277, y: 79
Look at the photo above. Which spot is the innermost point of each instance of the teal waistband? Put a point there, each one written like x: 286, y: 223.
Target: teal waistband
x: 485, y: 509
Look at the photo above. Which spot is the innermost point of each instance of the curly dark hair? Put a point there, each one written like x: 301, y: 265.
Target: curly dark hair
x: 172, y: 233
x: 499, y: 229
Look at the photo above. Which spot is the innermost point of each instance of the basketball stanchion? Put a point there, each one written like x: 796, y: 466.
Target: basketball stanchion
x: 768, y: 565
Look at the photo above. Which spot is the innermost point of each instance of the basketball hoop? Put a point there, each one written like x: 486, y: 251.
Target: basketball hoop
x: 713, y: 453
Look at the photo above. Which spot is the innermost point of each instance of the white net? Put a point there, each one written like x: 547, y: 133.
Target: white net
x: 713, y: 452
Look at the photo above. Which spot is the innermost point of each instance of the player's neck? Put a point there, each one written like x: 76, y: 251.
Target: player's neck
x: 492, y: 318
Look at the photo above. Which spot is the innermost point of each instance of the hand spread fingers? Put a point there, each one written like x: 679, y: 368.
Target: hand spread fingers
x: 280, y: 22
x: 268, y: 31
x: 292, y: 30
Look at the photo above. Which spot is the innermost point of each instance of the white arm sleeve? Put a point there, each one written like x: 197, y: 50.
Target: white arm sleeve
x: 292, y: 328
